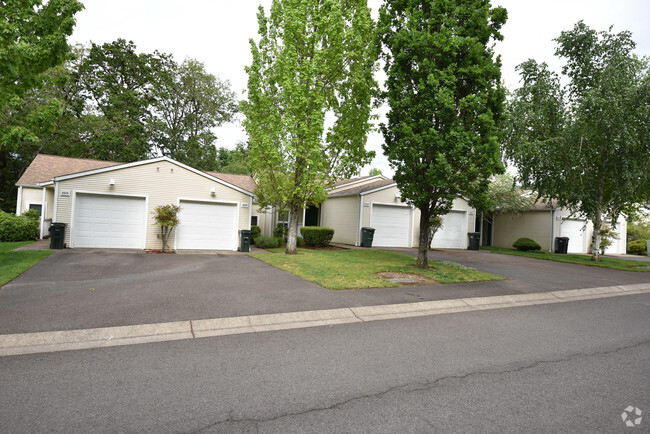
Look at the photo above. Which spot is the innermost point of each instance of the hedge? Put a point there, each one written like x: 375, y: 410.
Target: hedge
x: 525, y: 244
x: 316, y: 235
x: 267, y: 243
x: 18, y: 228
x: 637, y: 247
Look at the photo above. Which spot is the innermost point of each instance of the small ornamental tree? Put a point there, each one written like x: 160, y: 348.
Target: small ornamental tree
x: 166, y: 217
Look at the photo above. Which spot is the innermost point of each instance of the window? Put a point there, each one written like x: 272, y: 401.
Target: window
x: 253, y: 220
x: 36, y: 206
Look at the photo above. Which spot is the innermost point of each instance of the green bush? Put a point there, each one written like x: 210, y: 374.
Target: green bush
x: 256, y: 231
x: 281, y: 231
x: 267, y: 243
x: 18, y: 228
x: 637, y: 247
x: 525, y: 244
x: 316, y: 235
x: 32, y: 214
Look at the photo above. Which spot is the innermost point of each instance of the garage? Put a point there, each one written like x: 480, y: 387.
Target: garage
x: 392, y: 225
x: 207, y: 226
x: 453, y: 233
x: 575, y: 230
x: 109, y: 221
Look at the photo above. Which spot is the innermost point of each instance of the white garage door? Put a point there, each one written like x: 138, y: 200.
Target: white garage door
x: 109, y: 221
x: 207, y: 226
x: 392, y: 225
x: 453, y: 233
x: 574, y: 229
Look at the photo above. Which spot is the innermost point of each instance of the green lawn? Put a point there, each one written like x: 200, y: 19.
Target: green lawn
x: 605, y: 262
x: 349, y: 269
x: 13, y: 264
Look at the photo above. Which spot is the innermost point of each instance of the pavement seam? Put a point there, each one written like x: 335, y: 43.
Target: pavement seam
x: 53, y: 341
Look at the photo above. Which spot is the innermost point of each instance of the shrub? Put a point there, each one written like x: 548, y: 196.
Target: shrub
x: 525, y: 244
x: 32, y: 214
x: 316, y: 235
x: 637, y: 247
x: 267, y: 243
x: 281, y: 231
x: 256, y: 231
x: 17, y: 228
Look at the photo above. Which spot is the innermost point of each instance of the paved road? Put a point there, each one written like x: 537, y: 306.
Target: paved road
x: 78, y: 290
x: 568, y: 367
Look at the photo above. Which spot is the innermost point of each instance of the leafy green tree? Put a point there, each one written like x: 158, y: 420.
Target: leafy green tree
x: 188, y: 104
x: 446, y: 101
x: 34, y: 39
x: 310, y: 87
x: 585, y: 144
x: 374, y: 171
x: 233, y: 160
x: 166, y: 217
x: 503, y: 196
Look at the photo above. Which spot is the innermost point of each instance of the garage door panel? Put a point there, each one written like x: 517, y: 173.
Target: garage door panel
x: 453, y: 232
x: 575, y: 230
x: 207, y: 226
x: 109, y: 221
x: 392, y: 225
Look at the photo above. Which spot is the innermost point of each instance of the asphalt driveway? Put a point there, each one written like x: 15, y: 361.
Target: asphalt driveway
x: 76, y: 290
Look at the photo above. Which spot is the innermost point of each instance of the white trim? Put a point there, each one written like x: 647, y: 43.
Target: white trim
x: 152, y: 161
x: 363, y: 193
x: 358, y: 242
x: 27, y: 204
x: 95, y: 193
x: 357, y: 181
x: 250, y: 213
x: 43, y: 211
x: 56, y: 201
x: 552, y: 245
x: 237, y: 206
x: 45, y: 184
x: 20, y: 200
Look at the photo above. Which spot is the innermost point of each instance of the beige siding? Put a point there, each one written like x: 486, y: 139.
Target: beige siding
x: 161, y: 183
x: 342, y: 215
x: 30, y: 195
x: 535, y: 225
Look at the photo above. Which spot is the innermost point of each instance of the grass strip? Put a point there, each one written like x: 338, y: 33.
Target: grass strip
x: 14, y: 263
x: 355, y: 269
x: 605, y: 262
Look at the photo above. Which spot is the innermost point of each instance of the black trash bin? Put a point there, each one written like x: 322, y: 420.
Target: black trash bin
x: 474, y: 240
x: 561, y: 245
x: 367, y: 235
x: 245, y: 240
x: 57, y: 235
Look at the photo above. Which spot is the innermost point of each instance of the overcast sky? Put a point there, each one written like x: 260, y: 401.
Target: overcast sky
x: 216, y: 32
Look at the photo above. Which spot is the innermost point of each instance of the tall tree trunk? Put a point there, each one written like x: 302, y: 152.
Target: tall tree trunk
x: 595, y: 237
x: 294, y: 217
x: 423, y: 259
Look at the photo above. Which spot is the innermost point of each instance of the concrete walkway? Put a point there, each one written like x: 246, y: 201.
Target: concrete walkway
x: 42, y: 342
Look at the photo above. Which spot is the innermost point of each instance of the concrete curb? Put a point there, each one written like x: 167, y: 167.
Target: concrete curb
x: 45, y: 342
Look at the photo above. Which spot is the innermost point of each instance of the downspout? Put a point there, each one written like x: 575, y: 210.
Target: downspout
x: 360, y: 220
x: 552, y: 229
x: 20, y: 200
x: 56, y: 199
x: 42, y: 212
x: 250, y: 212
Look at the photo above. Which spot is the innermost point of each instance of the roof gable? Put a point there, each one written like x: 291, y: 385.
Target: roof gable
x: 364, y: 188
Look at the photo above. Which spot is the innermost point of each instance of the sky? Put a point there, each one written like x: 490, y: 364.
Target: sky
x: 217, y: 33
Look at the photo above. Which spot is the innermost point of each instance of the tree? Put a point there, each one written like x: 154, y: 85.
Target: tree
x: 188, y: 104
x: 233, y: 160
x: 310, y: 87
x: 34, y: 39
x: 585, y: 144
x: 503, y: 196
x: 166, y: 216
x: 446, y: 101
x: 374, y: 171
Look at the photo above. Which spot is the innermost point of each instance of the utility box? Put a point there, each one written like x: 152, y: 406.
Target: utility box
x: 245, y: 240
x: 474, y: 240
x: 561, y: 245
x: 367, y: 234
x: 57, y: 235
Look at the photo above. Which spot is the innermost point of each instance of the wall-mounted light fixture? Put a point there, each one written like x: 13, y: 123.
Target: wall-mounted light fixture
x: 111, y: 182
x: 213, y: 191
